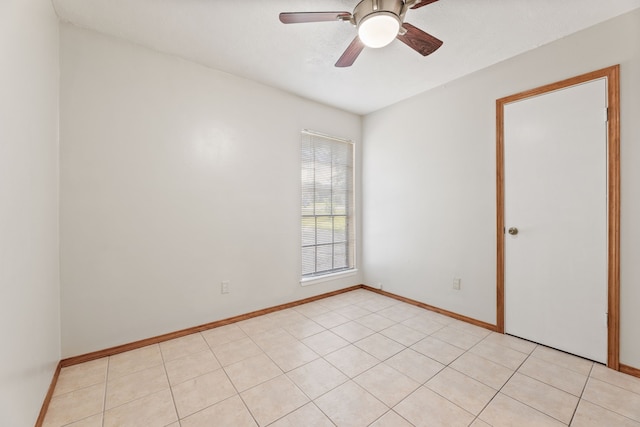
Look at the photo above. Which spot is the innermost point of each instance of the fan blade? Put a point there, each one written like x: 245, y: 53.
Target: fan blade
x: 423, y: 3
x: 349, y: 56
x: 423, y: 43
x: 302, y: 17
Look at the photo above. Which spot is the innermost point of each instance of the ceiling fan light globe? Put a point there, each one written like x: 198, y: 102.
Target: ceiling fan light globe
x: 378, y: 29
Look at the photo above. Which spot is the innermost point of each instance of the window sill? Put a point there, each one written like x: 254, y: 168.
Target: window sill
x: 327, y: 277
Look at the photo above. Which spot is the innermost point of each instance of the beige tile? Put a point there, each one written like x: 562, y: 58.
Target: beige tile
x: 335, y: 302
x: 514, y: 343
x: 377, y: 304
x: 330, y: 319
x: 236, y: 351
x: 470, y: 328
x: 590, y: 415
x: 252, y: 371
x: 286, y: 317
x: 387, y: 384
x: 479, y: 423
x: 304, y: 328
x: 191, y: 366
x: 351, y: 360
x: 273, y: 399
x: 543, y: 397
x: 403, y: 334
x: 462, y: 390
x: 613, y: 398
x: 183, y: 346
x: 352, y: 331
x: 400, y: 312
x: 317, y: 378
x: 134, y: 360
x: 257, y: 325
x: 574, y: 363
x: 426, y: 408
x: 352, y: 312
x: 555, y: 375
x: 81, y: 376
x: 504, y: 411
x: 362, y: 295
x: 338, y: 301
x: 308, y: 416
x: 311, y: 309
x: 415, y: 365
x: 379, y: 346
x: 627, y: 382
x: 274, y: 338
x: 457, y: 337
x: 438, y: 350
x: 375, y: 322
x: 130, y: 387
x: 423, y: 324
x: 229, y: 412
x: 154, y: 410
x: 93, y: 421
x: 483, y: 370
x: 196, y: 394
x: 436, y: 317
x: 350, y: 405
x: 291, y: 356
x: 504, y: 356
x: 223, y: 335
x: 74, y: 406
x: 325, y: 342
x: 391, y: 419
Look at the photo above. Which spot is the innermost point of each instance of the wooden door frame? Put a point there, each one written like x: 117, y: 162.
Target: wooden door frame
x: 612, y: 74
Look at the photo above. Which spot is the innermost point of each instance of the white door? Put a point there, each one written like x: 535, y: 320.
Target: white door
x: 555, y: 183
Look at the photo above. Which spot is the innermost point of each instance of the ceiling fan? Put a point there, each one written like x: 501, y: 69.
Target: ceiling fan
x: 378, y: 23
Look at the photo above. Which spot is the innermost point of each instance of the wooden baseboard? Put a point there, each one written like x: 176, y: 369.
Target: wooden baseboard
x: 49, y: 395
x: 183, y: 332
x: 447, y: 313
x: 188, y: 331
x: 177, y: 334
x: 629, y: 370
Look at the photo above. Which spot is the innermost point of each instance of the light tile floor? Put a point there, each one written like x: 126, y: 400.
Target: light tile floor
x: 355, y: 359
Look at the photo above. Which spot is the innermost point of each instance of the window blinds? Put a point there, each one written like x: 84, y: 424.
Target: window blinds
x: 327, y: 205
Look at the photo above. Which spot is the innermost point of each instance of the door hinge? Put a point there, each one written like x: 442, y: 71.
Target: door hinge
x: 606, y: 114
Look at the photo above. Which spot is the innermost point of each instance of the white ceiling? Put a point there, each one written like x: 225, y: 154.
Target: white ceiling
x: 245, y: 38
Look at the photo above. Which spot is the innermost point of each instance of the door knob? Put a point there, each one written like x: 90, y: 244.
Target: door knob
x: 513, y: 231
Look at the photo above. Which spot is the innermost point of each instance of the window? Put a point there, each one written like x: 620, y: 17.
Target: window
x: 327, y: 205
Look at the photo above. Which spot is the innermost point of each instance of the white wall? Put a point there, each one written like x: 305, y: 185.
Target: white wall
x: 175, y: 177
x: 429, y: 178
x: 29, y: 275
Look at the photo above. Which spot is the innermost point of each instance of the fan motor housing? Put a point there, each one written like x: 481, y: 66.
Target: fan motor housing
x: 368, y: 7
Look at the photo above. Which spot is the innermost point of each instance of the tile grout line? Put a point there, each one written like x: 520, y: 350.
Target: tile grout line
x: 355, y: 303
x: 166, y: 373
x: 477, y: 417
x: 229, y: 379
x: 263, y: 382
x: 584, y: 387
x: 313, y: 401
x: 106, y: 382
x: 607, y: 409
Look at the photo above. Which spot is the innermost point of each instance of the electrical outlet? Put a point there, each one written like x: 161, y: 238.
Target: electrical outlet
x: 456, y: 284
x: 379, y: 285
x: 224, y: 287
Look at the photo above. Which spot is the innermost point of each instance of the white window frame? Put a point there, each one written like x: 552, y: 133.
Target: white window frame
x: 350, y: 224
